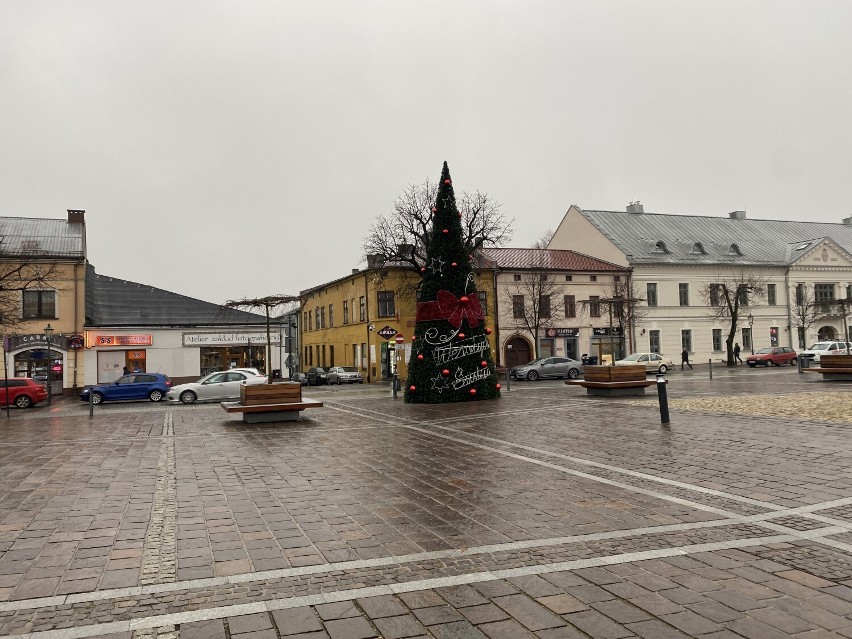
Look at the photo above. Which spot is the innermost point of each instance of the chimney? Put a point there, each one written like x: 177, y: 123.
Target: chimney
x: 737, y: 215
x: 355, y: 271
x: 847, y: 221
x: 405, y: 250
x: 635, y: 207
x: 375, y: 260
x: 76, y: 216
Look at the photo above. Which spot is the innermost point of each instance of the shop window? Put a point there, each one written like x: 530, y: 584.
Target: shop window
x: 39, y: 304
x: 386, y: 304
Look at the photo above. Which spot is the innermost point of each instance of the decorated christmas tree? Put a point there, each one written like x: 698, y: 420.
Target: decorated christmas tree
x: 450, y: 355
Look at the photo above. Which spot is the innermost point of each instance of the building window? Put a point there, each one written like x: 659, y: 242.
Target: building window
x: 660, y: 247
x: 544, y: 306
x: 823, y: 292
x: 331, y: 315
x: 770, y: 294
x: 39, y: 304
x: 345, y: 311
x: 800, y: 294
x: 310, y: 323
x: 747, y: 343
x: 308, y: 357
x: 773, y: 336
x: 698, y: 249
x: 363, y: 355
x: 801, y: 331
x: 518, y: 306
x: 734, y: 250
x: 686, y: 340
x: 306, y: 320
x: 683, y: 294
x: 516, y: 277
x: 542, y: 277
x: 743, y: 295
x: 593, y: 278
x: 651, y: 293
x: 362, y: 308
x: 616, y: 278
x: 322, y: 317
x: 717, y: 340
x: 569, y: 278
x: 331, y: 354
x: 715, y: 294
x: 848, y: 293
x: 594, y: 306
x: 570, y: 306
x: 654, y: 341
x: 483, y: 302
x: 386, y: 306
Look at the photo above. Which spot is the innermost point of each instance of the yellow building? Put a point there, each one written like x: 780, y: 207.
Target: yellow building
x: 42, y: 298
x: 356, y: 321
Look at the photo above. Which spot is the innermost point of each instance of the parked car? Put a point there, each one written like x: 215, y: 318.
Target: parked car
x: 826, y: 348
x: 219, y: 386
x: 774, y: 356
x: 23, y: 392
x: 653, y: 362
x: 316, y: 376
x: 252, y: 371
x: 153, y: 386
x: 344, y: 375
x: 548, y: 367
x: 299, y: 377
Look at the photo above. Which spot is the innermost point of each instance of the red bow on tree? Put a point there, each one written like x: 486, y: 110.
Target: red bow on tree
x: 454, y: 310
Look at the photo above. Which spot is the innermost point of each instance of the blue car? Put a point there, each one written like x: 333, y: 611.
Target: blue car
x: 153, y: 386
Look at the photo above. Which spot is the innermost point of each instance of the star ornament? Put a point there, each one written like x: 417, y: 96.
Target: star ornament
x: 439, y: 383
x: 437, y: 266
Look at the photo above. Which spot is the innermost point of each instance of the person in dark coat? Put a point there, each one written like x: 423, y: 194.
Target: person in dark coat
x: 737, y: 358
x: 684, y: 359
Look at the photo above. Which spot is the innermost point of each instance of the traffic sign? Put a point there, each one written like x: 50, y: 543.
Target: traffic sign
x: 400, y: 338
x: 387, y: 332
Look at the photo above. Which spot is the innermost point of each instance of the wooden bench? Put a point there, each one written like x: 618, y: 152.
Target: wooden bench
x: 614, y: 381
x: 264, y: 403
x: 833, y: 368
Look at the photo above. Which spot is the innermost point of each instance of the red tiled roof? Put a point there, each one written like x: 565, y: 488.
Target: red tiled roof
x: 521, y: 258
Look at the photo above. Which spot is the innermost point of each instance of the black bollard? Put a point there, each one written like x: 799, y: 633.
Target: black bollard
x: 395, y: 383
x: 91, y: 401
x: 710, y: 361
x: 662, y: 395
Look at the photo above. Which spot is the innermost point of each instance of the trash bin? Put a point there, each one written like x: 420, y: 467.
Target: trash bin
x: 592, y: 360
x: 806, y: 361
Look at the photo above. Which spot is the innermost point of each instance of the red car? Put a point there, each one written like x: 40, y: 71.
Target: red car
x: 776, y: 356
x: 23, y: 392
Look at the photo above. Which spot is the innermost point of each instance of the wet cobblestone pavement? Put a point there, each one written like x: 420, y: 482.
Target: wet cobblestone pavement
x: 544, y: 514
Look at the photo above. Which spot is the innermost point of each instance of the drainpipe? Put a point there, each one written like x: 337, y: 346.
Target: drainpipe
x: 76, y: 310
x: 367, y: 306
x: 496, y: 319
x: 789, y: 309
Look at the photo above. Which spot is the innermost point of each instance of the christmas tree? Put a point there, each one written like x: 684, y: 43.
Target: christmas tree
x: 450, y: 355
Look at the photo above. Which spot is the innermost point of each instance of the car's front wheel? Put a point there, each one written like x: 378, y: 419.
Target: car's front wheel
x: 794, y: 361
x: 155, y: 395
x: 573, y: 373
x: 662, y: 369
x: 22, y: 401
x: 97, y: 398
x: 188, y: 397
x: 769, y: 363
x: 532, y: 376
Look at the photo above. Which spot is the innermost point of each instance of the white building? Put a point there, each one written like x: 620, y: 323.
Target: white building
x: 676, y: 258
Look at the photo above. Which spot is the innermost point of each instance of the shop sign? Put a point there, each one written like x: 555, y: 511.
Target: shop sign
x: 605, y: 331
x: 118, y: 340
x: 563, y: 332
x: 229, y: 338
x: 76, y: 342
x: 387, y: 332
x: 37, y: 340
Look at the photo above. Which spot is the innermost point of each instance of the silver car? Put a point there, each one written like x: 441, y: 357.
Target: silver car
x: 548, y: 367
x: 344, y: 375
x: 216, y: 387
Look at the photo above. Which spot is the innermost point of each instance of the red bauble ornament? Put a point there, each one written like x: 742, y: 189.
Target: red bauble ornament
x: 447, y: 182
x: 463, y: 299
x: 434, y: 210
x: 422, y: 269
x: 498, y: 387
x: 473, y: 391
x: 446, y: 371
x: 453, y: 264
x: 413, y: 338
x: 459, y: 213
x: 483, y: 363
x: 488, y: 331
x: 412, y: 388
x: 461, y: 335
x: 420, y: 357
x: 446, y: 231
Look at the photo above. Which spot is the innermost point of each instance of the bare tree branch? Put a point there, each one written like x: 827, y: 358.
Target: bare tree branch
x: 544, y: 240
x: 21, y: 275
x: 541, y: 300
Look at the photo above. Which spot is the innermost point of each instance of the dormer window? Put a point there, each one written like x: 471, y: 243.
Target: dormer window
x: 660, y: 247
x: 734, y: 250
x: 698, y: 249
x: 802, y: 246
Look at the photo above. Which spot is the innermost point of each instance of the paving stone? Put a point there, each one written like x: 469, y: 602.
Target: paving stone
x: 352, y: 628
x: 291, y: 621
x: 528, y: 612
x: 399, y: 627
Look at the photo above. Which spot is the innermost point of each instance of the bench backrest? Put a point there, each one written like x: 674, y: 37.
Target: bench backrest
x: 835, y: 361
x: 281, y: 393
x: 632, y: 373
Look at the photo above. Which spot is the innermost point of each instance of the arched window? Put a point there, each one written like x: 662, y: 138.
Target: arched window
x: 734, y: 250
x: 698, y: 249
x: 660, y: 247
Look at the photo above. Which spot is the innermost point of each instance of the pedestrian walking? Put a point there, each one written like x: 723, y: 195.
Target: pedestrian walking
x: 684, y: 359
x: 737, y: 358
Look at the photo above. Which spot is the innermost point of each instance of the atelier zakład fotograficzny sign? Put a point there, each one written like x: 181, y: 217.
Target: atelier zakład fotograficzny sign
x: 229, y: 338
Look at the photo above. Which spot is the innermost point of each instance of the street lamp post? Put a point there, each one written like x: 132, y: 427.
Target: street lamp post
x: 48, y: 334
x: 751, y: 332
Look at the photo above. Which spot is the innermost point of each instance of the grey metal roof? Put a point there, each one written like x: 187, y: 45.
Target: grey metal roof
x: 759, y: 241
x: 39, y: 238
x: 115, y: 302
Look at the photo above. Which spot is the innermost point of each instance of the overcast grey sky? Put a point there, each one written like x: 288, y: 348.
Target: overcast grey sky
x: 231, y: 149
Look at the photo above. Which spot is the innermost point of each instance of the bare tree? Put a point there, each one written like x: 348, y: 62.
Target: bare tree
x: 535, y: 300
x: 627, y: 308
x: 727, y: 296
x: 544, y: 240
x: 268, y: 304
x: 402, y: 237
x: 18, y: 275
x: 805, y: 311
